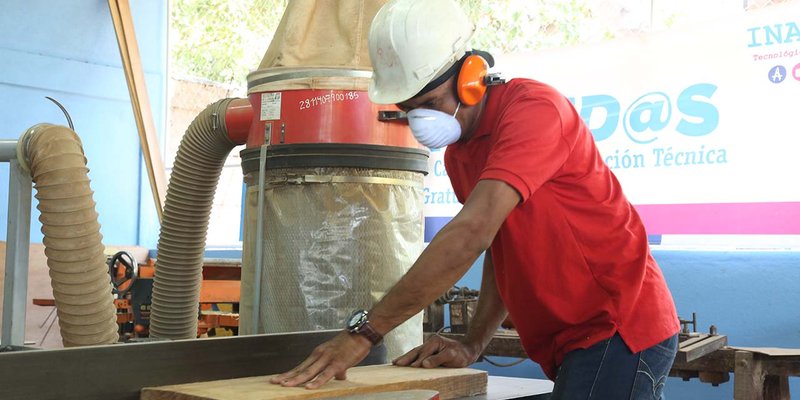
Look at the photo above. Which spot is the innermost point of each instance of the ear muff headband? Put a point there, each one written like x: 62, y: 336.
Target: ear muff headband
x: 471, y: 81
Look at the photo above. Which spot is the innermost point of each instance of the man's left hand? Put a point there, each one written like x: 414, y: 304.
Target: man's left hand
x: 329, y: 360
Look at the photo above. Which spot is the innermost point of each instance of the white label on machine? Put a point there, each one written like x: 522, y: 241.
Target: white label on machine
x: 270, y: 106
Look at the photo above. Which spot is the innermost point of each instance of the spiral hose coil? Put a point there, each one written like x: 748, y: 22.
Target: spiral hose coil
x: 72, y: 239
x: 181, y: 245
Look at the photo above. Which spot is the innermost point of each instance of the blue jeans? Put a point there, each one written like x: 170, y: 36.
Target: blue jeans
x: 609, y: 371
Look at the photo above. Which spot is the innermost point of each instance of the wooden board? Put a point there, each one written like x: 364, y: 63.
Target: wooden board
x: 771, y: 351
x: 449, y: 382
x: 137, y: 88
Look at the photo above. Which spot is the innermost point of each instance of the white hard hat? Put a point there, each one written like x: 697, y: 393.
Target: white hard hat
x: 412, y: 42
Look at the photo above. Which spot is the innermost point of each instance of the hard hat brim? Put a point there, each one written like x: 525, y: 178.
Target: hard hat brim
x: 378, y: 96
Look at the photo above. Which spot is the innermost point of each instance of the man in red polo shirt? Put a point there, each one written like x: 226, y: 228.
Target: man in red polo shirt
x: 566, y: 255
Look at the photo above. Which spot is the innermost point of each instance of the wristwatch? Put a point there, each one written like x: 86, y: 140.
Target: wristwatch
x: 359, y: 324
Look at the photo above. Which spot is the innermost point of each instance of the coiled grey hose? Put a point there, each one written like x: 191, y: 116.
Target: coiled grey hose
x: 181, y: 245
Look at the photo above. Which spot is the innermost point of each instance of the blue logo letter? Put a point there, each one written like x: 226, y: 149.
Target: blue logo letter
x: 650, y: 112
x: 699, y: 109
x: 611, y: 106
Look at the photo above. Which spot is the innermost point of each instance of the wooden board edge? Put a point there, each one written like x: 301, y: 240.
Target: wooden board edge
x: 449, y: 387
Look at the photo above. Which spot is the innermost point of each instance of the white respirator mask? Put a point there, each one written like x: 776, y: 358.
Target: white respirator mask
x: 434, y: 129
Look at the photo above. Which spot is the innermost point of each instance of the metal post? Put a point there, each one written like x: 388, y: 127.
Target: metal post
x: 15, y: 291
x: 258, y: 269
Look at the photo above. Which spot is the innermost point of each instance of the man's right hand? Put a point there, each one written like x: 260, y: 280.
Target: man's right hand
x: 439, y: 351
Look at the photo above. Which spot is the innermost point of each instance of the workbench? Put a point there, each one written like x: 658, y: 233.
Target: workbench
x: 758, y: 373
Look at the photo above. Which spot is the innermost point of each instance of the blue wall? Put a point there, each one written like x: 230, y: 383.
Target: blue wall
x: 751, y: 297
x: 68, y: 50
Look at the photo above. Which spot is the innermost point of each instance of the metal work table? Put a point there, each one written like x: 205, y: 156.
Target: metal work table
x: 83, y: 372
x: 505, y: 388
x: 94, y: 372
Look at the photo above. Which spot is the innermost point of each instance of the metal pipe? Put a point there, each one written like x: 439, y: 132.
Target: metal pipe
x: 18, y: 242
x: 238, y: 119
x: 8, y: 150
x: 259, y: 256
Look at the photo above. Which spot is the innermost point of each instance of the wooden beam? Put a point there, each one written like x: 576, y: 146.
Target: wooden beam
x: 776, y: 388
x: 134, y: 76
x: 748, y: 377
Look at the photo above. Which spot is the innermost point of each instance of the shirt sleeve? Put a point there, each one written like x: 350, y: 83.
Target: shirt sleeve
x: 528, y: 147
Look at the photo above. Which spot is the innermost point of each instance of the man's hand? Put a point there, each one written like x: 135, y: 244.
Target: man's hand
x: 438, y: 351
x: 330, y: 359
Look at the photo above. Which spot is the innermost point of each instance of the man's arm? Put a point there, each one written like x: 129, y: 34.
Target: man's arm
x: 449, y: 255
x: 438, y: 351
x: 490, y: 312
x: 446, y: 259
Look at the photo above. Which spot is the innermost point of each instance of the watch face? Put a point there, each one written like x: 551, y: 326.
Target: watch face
x: 356, y: 320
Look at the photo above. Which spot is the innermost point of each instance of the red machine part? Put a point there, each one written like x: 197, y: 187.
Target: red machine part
x: 238, y: 118
x: 324, y: 116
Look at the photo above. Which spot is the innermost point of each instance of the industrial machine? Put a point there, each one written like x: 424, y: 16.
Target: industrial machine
x: 133, y: 288
x: 218, y: 306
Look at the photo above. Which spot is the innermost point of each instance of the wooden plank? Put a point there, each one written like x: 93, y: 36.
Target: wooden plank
x: 696, y: 349
x: 771, y: 351
x: 134, y: 75
x: 691, y: 341
x: 449, y: 382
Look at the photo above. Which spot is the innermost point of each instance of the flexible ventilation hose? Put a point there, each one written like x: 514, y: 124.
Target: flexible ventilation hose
x: 72, y: 239
x: 181, y: 245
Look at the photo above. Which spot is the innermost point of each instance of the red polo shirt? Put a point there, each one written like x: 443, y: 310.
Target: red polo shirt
x: 572, y: 262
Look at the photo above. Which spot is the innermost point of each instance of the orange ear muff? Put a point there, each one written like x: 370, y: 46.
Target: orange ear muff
x: 471, y: 84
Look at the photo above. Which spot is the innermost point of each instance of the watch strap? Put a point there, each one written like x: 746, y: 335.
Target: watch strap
x: 370, y: 333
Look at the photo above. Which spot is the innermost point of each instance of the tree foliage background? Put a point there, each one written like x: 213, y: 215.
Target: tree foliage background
x: 222, y: 40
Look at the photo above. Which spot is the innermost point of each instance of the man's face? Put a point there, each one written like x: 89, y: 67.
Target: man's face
x: 441, y: 99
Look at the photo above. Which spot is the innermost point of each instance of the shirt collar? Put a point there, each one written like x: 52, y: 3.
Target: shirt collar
x: 488, y: 117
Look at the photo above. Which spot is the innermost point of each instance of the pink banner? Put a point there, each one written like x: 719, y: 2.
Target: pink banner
x: 722, y: 218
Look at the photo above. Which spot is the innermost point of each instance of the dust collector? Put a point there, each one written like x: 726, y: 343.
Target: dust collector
x: 333, y: 205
